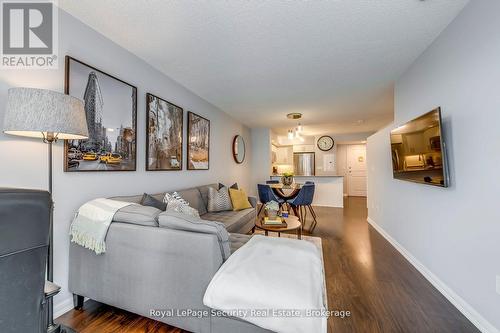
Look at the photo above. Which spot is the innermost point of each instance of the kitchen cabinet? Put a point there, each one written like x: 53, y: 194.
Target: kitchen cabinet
x: 284, y: 155
x: 303, y: 148
x: 273, y: 154
x: 396, y: 138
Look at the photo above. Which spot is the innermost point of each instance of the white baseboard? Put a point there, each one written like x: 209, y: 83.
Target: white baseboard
x: 62, y: 307
x: 322, y: 205
x: 468, y: 311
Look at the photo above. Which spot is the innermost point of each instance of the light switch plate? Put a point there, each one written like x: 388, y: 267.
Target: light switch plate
x: 498, y: 284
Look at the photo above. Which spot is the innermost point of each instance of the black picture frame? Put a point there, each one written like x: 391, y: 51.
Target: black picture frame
x: 165, y: 159
x: 125, y: 138
x: 198, y: 142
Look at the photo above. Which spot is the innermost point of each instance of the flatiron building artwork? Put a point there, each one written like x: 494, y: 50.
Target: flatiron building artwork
x: 111, y: 114
x: 93, y: 109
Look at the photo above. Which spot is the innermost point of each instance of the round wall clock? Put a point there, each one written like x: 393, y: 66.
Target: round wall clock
x: 325, y: 143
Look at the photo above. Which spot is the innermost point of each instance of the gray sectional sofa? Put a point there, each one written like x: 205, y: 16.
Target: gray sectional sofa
x: 235, y: 221
x: 155, y: 267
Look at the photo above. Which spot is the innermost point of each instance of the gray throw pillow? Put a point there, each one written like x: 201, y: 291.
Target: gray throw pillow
x: 234, y: 186
x: 149, y: 200
x: 219, y: 200
x: 178, y: 221
x: 138, y: 214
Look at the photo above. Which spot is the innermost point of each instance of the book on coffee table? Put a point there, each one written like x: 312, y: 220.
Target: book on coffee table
x: 278, y: 222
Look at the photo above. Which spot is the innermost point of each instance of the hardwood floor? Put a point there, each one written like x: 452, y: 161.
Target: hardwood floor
x: 364, y: 275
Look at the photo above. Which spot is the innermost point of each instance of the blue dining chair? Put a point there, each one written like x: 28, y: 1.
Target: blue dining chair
x: 303, y: 202
x: 266, y: 194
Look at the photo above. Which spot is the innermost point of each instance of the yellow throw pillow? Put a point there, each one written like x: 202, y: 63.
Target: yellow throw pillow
x: 239, y: 199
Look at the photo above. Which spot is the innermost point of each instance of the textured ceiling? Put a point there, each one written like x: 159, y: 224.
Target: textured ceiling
x: 335, y: 61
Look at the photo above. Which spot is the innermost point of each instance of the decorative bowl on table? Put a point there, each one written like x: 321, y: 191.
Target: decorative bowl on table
x: 271, y: 209
x: 287, y: 178
x: 272, y: 214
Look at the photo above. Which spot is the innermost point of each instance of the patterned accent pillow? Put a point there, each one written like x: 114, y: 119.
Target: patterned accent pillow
x: 178, y: 197
x: 219, y: 200
x: 176, y: 203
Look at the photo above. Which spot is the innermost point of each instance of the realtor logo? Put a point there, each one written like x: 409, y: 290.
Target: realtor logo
x: 29, y: 36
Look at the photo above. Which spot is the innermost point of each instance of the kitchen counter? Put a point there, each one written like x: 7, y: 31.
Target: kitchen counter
x: 310, y: 176
x: 329, y: 191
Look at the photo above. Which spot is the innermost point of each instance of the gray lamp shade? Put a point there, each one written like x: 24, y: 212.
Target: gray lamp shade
x: 36, y: 112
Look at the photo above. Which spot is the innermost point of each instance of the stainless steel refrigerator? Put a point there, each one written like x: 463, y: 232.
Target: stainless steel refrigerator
x: 303, y: 164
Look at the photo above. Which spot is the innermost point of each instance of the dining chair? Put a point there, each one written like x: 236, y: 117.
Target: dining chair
x: 266, y: 195
x: 303, y: 202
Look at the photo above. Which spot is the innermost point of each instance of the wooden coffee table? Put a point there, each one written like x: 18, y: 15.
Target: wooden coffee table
x: 292, y: 223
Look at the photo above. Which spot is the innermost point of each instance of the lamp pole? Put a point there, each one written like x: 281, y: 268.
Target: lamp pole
x: 49, y: 139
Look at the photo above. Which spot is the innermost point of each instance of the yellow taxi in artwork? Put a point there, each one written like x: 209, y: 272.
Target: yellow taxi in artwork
x: 111, y: 158
x: 90, y: 156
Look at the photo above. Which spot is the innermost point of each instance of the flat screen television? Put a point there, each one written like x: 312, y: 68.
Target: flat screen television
x: 419, y: 152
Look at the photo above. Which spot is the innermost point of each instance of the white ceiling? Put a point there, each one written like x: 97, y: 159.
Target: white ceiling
x: 335, y: 61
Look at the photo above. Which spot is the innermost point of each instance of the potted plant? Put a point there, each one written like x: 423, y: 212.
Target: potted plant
x: 287, y: 178
x: 271, y: 208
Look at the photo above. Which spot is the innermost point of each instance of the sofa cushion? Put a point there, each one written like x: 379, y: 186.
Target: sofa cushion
x: 218, y: 200
x: 235, y: 186
x: 239, y: 199
x: 204, y: 194
x: 238, y: 240
x: 149, y: 200
x: 193, y: 197
x: 178, y: 204
x: 137, y: 214
x: 179, y: 221
x: 233, y: 220
x: 137, y: 198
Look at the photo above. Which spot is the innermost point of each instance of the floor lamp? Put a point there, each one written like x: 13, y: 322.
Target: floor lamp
x: 50, y: 116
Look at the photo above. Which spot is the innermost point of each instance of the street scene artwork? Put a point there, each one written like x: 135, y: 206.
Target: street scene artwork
x: 111, y: 110
x: 164, y: 140
x: 199, y: 142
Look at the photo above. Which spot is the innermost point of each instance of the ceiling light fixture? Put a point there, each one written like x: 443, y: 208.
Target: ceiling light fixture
x: 294, y: 115
x: 295, y: 132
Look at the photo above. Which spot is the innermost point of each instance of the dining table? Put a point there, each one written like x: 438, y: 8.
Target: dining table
x: 286, y: 192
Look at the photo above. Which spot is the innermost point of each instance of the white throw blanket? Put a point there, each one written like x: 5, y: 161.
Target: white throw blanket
x: 272, y: 274
x: 91, y: 223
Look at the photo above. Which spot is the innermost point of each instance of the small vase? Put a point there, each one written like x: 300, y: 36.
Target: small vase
x: 287, y: 180
x: 272, y: 214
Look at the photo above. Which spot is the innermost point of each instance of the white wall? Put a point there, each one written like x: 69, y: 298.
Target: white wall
x: 24, y: 163
x: 261, y: 157
x: 348, y: 138
x: 453, y: 232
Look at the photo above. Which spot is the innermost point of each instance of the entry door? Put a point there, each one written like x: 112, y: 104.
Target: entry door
x: 356, y: 170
